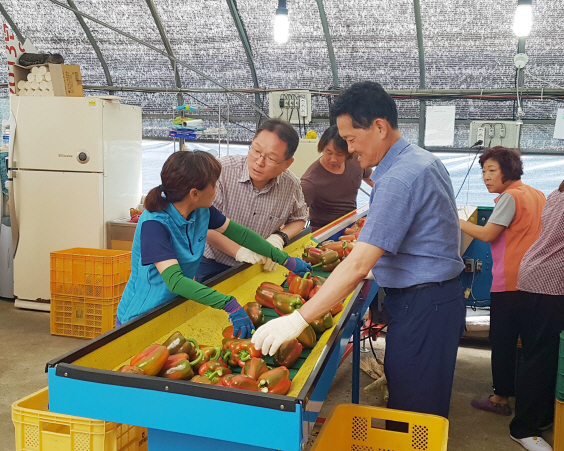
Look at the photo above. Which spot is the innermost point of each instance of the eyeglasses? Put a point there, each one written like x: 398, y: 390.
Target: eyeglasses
x: 267, y: 160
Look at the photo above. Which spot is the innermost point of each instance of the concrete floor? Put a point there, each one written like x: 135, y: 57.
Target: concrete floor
x: 27, y: 345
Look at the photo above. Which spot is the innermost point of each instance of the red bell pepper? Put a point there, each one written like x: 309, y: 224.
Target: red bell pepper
x: 301, y: 285
x: 288, y: 353
x: 290, y: 277
x: 318, y: 281
x: 322, y: 323
x: 338, y: 247
x: 255, y: 313
x: 228, y: 332
x: 242, y: 382
x: 330, y: 266
x: 337, y: 309
x: 314, y: 291
x: 276, y: 381
x: 213, y: 376
x: 286, y: 303
x: 208, y: 353
x: 174, y: 342
x: 202, y: 380
x: 307, y: 338
x: 244, y: 350
x: 351, y: 230
x: 311, y: 255
x: 131, y: 369
x: 360, y: 222
x: 180, y: 370
x: 212, y: 365
x: 254, y: 367
x: 327, y: 257
x: 265, y: 293
x: 151, y: 359
x: 173, y: 360
x: 349, y: 248
x: 350, y: 236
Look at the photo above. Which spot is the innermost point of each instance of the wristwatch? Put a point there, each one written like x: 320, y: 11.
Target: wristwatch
x: 285, y: 237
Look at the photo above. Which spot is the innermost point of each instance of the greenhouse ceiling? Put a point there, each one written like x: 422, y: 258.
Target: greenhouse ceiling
x: 221, y: 54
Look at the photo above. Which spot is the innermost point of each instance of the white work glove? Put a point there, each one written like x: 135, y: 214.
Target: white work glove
x: 278, y: 242
x: 247, y: 256
x: 270, y: 336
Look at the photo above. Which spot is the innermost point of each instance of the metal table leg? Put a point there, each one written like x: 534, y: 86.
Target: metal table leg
x: 356, y: 361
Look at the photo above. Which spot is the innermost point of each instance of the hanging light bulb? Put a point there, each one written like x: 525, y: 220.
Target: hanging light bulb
x: 281, y: 23
x: 523, y: 20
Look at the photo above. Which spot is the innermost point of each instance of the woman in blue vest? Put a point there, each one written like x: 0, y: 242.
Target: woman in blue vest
x: 170, y: 238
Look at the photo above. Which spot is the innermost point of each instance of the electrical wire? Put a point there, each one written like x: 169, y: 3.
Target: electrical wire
x: 468, y: 172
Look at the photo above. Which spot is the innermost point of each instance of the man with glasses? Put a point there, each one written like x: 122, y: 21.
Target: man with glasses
x: 258, y: 192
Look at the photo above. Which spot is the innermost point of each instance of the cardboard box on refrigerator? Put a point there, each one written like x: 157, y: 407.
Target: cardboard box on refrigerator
x: 66, y: 78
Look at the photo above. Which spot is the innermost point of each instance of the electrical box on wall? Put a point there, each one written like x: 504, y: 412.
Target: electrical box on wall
x: 291, y: 106
x: 495, y: 133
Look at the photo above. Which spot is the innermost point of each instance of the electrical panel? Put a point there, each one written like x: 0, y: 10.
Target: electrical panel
x: 291, y: 106
x: 494, y: 133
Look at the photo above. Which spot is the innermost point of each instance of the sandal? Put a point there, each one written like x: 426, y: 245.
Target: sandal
x: 488, y: 406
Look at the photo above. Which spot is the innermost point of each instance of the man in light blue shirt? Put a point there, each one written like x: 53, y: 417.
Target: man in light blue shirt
x: 410, y: 242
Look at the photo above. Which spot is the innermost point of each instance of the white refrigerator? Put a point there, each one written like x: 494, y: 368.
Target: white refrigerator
x: 76, y: 164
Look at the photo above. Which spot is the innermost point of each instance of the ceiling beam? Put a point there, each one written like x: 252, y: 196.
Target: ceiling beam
x: 168, y: 48
x: 329, y: 42
x: 93, y: 43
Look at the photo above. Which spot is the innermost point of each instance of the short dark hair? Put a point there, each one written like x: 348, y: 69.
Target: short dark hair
x: 182, y: 172
x: 509, y: 161
x: 285, y: 131
x: 332, y: 134
x: 364, y: 102
x: 561, y: 187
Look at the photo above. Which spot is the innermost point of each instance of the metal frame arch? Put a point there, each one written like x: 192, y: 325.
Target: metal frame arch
x: 161, y: 52
x: 232, y: 4
x: 13, y: 26
x: 93, y: 43
x: 329, y: 42
x: 168, y: 48
x: 421, y: 49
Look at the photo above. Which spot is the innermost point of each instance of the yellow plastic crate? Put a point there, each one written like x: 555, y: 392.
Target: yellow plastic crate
x: 558, y: 426
x: 352, y: 427
x: 82, y: 317
x: 99, y: 273
x: 37, y: 429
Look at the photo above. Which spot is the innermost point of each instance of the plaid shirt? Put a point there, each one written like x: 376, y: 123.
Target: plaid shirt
x: 280, y: 202
x: 542, y: 267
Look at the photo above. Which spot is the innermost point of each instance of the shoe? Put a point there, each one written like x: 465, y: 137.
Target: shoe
x: 488, y: 406
x: 533, y: 443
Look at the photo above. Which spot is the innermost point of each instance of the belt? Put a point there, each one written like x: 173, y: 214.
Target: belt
x: 394, y: 291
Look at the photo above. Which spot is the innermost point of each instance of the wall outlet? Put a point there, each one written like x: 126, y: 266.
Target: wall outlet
x: 494, y: 133
x: 292, y: 109
x: 303, y: 107
x: 468, y: 265
x: 481, y: 135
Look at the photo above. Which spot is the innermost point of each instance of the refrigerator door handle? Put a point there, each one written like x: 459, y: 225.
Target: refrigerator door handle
x: 13, y: 218
x: 10, y: 185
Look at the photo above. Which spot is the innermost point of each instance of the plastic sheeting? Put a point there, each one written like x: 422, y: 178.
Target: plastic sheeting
x: 467, y: 44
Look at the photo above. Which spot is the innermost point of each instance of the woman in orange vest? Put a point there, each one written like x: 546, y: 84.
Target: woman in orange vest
x: 512, y: 228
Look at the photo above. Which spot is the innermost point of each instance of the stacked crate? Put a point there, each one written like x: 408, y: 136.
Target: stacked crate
x: 86, y: 287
